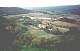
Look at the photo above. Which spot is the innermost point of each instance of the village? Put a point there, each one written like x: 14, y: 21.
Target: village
x: 43, y: 22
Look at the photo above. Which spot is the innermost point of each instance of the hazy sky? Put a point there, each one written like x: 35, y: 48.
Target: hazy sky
x: 37, y: 3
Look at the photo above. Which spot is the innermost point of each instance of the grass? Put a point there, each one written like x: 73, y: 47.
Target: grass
x: 37, y: 37
x: 36, y: 49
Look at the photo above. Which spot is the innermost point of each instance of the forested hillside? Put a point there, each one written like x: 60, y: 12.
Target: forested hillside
x: 14, y: 10
x: 73, y: 9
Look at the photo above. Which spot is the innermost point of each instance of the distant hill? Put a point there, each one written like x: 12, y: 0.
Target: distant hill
x: 13, y: 10
x: 72, y: 9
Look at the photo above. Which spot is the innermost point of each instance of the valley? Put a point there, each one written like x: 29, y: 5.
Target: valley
x: 41, y: 29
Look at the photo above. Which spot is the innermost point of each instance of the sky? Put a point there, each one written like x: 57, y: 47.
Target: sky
x: 37, y: 3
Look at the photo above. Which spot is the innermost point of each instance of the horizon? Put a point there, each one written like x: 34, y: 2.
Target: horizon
x: 37, y: 3
x: 47, y: 6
